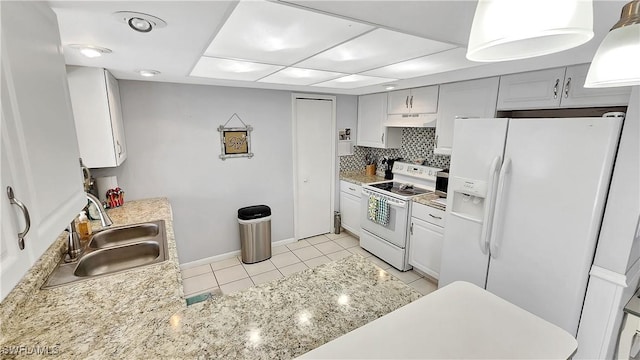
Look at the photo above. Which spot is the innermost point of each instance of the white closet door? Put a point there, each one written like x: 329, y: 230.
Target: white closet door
x: 314, y: 155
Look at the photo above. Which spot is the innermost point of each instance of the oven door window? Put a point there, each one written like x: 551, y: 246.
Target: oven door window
x: 395, y: 232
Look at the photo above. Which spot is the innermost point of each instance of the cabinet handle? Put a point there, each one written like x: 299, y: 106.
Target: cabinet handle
x: 411, y: 229
x: 567, y: 86
x: 406, y: 102
x: 119, y: 148
x: 411, y: 102
x: 555, y: 89
x: 25, y: 212
x: 352, y: 189
x: 382, y: 138
x: 435, y: 217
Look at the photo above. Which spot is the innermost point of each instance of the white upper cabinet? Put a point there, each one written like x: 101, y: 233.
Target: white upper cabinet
x: 372, y: 113
x: 422, y: 100
x: 575, y: 94
x: 95, y: 97
x: 466, y: 99
x: 553, y: 88
x: 39, y: 147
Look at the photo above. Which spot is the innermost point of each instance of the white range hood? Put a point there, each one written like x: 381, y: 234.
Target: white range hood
x: 411, y: 120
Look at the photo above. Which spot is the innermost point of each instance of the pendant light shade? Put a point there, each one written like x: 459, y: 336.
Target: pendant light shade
x: 617, y: 60
x: 518, y: 29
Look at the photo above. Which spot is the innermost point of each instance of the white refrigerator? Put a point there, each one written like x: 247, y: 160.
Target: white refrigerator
x: 524, y: 207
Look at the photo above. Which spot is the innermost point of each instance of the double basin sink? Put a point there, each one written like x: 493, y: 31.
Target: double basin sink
x: 113, y: 250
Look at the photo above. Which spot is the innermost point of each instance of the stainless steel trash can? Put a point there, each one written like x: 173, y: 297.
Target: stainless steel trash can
x: 255, y: 233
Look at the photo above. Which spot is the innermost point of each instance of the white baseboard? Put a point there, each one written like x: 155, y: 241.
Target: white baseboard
x: 228, y: 255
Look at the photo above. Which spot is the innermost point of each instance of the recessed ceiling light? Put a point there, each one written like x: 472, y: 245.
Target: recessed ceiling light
x: 90, y: 51
x: 139, y: 24
x: 148, y: 73
x: 139, y: 21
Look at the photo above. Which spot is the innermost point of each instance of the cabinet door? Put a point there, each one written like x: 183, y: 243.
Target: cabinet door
x: 399, y: 102
x: 14, y: 262
x: 43, y: 139
x: 531, y: 90
x: 425, y: 247
x: 372, y: 112
x: 95, y: 97
x: 574, y: 94
x: 424, y: 100
x: 350, y: 212
x: 467, y: 99
x: 115, y: 110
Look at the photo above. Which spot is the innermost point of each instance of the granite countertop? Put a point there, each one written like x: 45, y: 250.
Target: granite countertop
x: 359, y: 177
x: 141, y: 313
x: 103, y: 317
x: 428, y: 199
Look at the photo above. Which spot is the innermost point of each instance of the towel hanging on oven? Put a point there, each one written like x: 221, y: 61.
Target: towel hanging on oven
x: 373, y: 208
x: 378, y: 210
x: 382, y: 217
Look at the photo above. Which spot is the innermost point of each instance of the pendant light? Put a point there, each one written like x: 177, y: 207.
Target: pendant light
x: 616, y: 62
x: 518, y: 29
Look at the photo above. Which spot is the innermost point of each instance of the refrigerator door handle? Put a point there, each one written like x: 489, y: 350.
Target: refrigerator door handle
x: 499, y: 208
x: 489, y: 205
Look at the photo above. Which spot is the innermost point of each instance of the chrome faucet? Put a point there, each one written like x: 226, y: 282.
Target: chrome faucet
x: 104, y: 217
x: 73, y: 244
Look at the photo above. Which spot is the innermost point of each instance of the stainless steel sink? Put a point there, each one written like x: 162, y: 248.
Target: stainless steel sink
x: 114, y: 250
x: 124, y: 235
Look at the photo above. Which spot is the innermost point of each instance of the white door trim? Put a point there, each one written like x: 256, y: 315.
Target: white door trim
x: 334, y: 143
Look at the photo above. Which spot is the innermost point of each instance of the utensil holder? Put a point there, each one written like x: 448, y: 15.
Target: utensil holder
x: 370, y: 170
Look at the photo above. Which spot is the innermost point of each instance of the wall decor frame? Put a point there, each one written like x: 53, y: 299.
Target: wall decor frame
x: 235, y: 142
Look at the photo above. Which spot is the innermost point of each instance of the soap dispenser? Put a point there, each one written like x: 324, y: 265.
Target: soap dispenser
x: 83, y: 226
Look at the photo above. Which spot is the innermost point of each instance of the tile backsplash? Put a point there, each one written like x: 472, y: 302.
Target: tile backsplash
x: 417, y: 143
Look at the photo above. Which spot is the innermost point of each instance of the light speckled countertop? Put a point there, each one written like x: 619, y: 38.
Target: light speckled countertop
x: 360, y: 178
x: 141, y: 313
x: 428, y: 199
x: 104, y: 317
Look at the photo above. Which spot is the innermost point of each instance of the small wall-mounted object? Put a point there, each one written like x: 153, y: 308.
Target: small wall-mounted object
x: 235, y: 141
x: 345, y: 144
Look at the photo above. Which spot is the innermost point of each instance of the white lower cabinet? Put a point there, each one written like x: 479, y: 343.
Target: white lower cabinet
x: 350, y: 206
x: 426, y: 239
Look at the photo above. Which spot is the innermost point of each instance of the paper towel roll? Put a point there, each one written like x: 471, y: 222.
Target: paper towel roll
x: 105, y: 183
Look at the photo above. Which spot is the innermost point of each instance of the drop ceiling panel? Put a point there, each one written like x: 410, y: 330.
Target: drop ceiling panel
x: 298, y: 76
x: 432, y: 64
x: 273, y: 33
x: 443, y: 20
x: 354, y: 81
x: 232, y: 69
x: 377, y: 48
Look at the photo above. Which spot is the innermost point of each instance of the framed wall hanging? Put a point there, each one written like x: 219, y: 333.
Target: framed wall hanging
x: 235, y: 142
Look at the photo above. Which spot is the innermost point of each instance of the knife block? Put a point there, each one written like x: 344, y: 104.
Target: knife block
x: 370, y: 170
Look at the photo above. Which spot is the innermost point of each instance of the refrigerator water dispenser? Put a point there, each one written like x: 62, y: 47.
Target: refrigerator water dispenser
x: 468, y: 197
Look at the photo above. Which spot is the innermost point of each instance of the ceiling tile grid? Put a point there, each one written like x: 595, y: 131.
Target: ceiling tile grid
x: 308, y: 48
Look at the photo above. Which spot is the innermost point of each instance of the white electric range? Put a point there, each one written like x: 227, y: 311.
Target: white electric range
x: 388, y: 239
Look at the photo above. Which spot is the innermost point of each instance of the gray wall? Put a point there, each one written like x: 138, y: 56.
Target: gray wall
x: 173, y: 149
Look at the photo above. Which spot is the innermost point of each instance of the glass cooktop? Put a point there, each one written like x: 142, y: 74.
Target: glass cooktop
x: 400, y: 188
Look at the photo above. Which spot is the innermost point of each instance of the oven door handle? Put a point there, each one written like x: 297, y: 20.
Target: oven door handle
x: 392, y: 202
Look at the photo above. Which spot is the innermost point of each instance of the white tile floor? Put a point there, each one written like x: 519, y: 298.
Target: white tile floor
x: 232, y: 275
